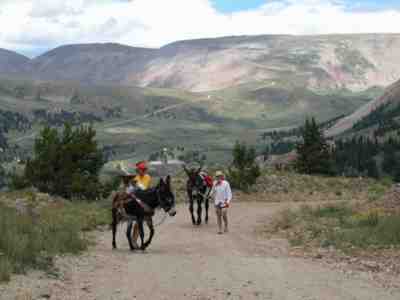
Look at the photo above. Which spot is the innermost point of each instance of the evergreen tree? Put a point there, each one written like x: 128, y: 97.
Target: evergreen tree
x: 396, y: 172
x: 2, y: 177
x: 66, y: 163
x: 314, y: 156
x: 244, y: 170
x: 389, y: 163
x: 372, y: 169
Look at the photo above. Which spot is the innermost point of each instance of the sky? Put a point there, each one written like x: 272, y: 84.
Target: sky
x: 32, y: 27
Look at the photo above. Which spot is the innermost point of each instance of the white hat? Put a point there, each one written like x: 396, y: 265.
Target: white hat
x: 219, y: 174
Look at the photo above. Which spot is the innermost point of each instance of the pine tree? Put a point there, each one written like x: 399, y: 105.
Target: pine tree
x: 396, y: 174
x: 66, y: 163
x: 2, y: 177
x: 372, y: 169
x: 389, y: 163
x: 314, y: 156
x: 244, y: 170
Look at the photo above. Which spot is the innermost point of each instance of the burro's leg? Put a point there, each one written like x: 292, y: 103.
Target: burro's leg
x: 191, y: 209
x: 128, y: 235
x: 199, y: 209
x: 141, y: 233
x: 149, y: 222
x: 114, y: 227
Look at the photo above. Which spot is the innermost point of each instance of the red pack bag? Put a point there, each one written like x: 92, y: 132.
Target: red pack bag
x: 209, y: 180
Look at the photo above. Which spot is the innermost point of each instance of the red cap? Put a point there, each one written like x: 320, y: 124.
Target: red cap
x: 141, y: 165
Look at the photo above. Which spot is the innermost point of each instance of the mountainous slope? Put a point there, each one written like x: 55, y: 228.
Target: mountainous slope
x: 12, y: 62
x: 354, y: 62
x: 90, y: 63
x: 135, y: 122
x: 385, y: 103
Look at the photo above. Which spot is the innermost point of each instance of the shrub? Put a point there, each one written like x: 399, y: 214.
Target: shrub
x: 331, y: 211
x: 285, y: 220
x: 244, y: 170
x: 18, y: 182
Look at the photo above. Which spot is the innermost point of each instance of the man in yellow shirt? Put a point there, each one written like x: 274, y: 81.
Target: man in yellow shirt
x: 142, y: 181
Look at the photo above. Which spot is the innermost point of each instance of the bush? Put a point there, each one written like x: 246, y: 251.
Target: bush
x: 244, y: 170
x: 109, y: 186
x: 331, y: 211
x: 18, y: 182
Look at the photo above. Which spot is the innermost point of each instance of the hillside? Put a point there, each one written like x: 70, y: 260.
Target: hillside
x: 12, y: 62
x: 90, y: 63
x: 382, y: 105
x: 135, y: 122
x: 354, y: 62
x: 200, y: 94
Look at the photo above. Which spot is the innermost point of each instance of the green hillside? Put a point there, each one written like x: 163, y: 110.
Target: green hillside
x: 134, y: 122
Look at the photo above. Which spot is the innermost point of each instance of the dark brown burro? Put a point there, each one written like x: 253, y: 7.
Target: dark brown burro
x: 140, y: 208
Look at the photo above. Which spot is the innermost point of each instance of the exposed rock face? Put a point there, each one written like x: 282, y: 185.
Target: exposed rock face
x: 355, y: 62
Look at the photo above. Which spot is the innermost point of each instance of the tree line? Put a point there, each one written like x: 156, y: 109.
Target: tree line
x: 356, y: 156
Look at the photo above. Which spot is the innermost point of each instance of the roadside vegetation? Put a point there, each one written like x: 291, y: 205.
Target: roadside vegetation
x: 36, y: 230
x: 339, y: 225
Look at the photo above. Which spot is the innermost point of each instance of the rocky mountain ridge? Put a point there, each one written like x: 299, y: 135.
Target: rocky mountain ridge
x: 354, y: 62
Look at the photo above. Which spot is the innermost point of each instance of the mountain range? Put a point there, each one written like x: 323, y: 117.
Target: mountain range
x: 354, y: 62
x: 201, y: 94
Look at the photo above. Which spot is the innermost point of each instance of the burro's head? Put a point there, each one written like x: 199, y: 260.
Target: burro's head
x: 166, y: 196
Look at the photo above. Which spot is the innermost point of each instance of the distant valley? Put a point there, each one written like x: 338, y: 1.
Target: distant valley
x: 200, y: 94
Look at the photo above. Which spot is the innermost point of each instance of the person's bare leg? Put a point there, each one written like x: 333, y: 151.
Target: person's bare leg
x: 219, y: 219
x: 225, y: 217
x: 135, y: 235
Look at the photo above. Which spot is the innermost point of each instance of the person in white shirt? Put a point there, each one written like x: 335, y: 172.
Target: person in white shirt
x: 222, y: 194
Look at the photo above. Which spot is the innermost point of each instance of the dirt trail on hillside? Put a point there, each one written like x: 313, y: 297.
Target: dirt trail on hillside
x: 186, y: 262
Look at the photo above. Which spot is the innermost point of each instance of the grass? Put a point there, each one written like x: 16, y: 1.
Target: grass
x: 341, y: 226
x: 32, y: 241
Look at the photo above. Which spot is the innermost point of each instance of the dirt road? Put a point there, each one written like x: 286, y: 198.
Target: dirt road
x: 186, y: 262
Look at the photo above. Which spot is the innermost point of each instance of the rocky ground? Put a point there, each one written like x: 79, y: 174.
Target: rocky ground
x: 186, y: 262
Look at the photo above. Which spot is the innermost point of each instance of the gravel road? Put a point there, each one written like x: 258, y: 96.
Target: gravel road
x: 186, y: 262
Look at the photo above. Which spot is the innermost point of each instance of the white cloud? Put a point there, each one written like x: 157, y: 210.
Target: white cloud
x: 33, y: 24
